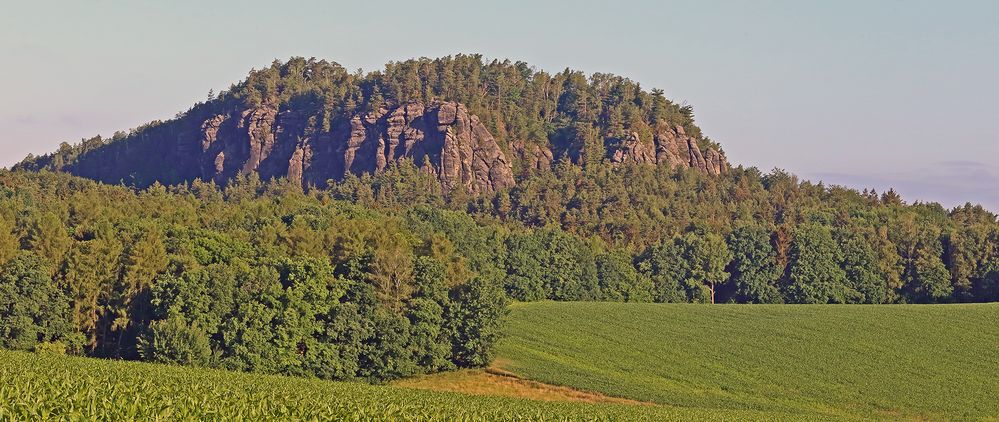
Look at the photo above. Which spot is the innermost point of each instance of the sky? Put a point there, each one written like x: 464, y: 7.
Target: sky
x: 866, y: 94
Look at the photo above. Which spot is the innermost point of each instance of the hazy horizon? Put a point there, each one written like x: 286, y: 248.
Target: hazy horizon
x: 889, y: 94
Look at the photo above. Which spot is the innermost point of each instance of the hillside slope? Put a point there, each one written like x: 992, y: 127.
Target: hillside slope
x: 473, y: 125
x: 933, y: 361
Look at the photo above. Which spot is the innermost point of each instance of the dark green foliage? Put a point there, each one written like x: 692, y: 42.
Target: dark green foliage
x: 815, y: 275
x: 665, y: 266
x: 929, y: 279
x: 481, y: 246
x: 476, y: 315
x: 174, y: 341
x: 550, y: 264
x: 429, y: 337
x: 753, y: 269
x: 707, y: 256
x: 384, y: 355
x: 569, y: 268
x: 689, y: 268
x: 32, y: 309
x: 620, y: 281
x: 255, y: 278
x: 864, y: 282
x: 987, y: 287
x: 524, y: 267
x: 281, y: 280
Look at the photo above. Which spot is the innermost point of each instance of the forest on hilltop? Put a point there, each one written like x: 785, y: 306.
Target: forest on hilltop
x: 461, y: 118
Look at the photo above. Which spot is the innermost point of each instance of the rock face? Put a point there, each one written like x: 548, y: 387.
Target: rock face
x: 441, y: 138
x: 532, y: 156
x: 670, y: 146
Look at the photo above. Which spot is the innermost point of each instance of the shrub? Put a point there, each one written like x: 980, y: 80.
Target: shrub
x: 174, y: 341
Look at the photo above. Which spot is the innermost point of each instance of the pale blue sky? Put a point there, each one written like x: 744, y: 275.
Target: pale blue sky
x: 864, y: 93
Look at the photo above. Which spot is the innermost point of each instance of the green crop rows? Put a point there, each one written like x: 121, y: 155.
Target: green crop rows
x: 891, y: 361
x: 41, y: 387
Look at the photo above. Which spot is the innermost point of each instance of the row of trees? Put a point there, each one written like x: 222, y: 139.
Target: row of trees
x: 648, y: 233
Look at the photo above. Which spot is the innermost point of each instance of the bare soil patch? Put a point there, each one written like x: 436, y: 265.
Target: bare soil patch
x: 497, y: 382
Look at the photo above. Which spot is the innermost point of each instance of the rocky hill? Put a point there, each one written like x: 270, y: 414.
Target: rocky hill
x: 313, y: 123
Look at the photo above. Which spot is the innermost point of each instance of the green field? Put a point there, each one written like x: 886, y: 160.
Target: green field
x: 694, y: 362
x: 41, y: 387
x: 905, y: 361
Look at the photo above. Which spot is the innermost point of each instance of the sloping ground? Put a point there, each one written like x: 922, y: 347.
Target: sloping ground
x: 492, y: 382
x: 935, y: 362
x: 39, y: 387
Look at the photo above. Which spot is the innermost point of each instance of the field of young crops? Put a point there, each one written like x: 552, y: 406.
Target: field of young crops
x: 695, y: 362
x: 41, y: 387
x: 907, y: 361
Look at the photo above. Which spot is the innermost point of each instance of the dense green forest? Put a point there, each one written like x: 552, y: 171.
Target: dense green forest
x: 649, y: 233
x: 257, y: 278
x: 266, y: 277
x: 384, y: 275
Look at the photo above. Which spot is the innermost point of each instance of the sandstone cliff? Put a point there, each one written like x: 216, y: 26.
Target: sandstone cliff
x: 441, y: 138
x: 670, y: 146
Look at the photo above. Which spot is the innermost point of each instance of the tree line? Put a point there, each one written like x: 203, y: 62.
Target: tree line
x: 650, y: 233
x: 379, y: 278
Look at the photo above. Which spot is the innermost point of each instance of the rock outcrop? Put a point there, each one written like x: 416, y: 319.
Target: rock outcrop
x: 532, y: 156
x: 442, y: 139
x: 669, y: 146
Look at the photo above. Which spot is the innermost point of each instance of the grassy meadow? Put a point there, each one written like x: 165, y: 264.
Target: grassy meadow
x: 936, y: 362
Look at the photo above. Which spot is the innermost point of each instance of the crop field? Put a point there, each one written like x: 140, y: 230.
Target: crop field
x: 935, y: 362
x: 682, y: 362
x: 42, y: 387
